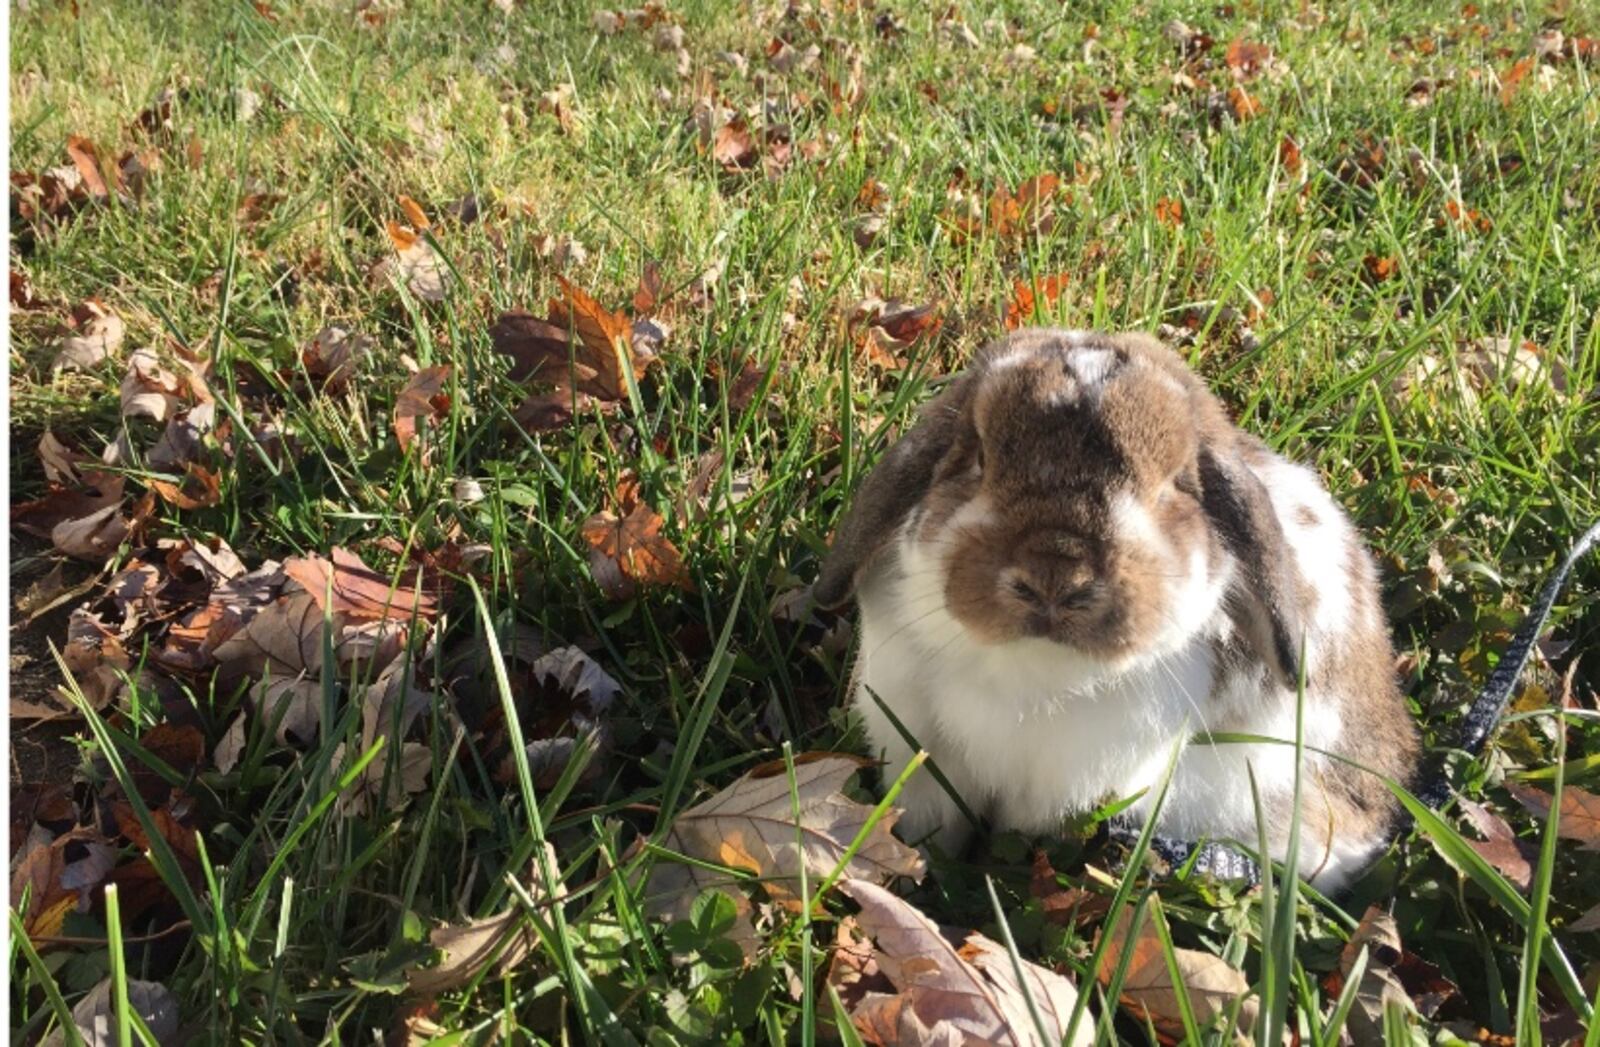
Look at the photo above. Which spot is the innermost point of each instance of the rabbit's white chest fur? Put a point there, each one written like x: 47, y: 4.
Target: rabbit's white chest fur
x: 1032, y: 732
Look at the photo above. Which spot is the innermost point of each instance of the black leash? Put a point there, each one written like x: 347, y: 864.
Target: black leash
x: 1228, y: 863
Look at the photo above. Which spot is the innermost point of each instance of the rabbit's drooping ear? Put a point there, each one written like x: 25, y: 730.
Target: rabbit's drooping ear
x: 891, y: 490
x: 1262, y: 599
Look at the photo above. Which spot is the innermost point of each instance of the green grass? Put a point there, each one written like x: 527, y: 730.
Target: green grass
x: 303, y: 910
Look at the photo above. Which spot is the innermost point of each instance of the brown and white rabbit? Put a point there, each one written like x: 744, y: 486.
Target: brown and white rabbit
x: 1073, y: 563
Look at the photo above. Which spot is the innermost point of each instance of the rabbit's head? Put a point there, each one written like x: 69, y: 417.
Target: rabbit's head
x: 1085, y: 490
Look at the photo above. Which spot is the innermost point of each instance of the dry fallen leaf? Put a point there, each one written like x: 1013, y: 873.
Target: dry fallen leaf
x: 85, y: 522
x: 422, y: 403
x: 200, y: 488
x: 419, y: 264
x: 583, y: 350
x: 334, y: 355
x: 358, y: 591
x: 1024, y: 303
x: 750, y: 826
x: 231, y: 745
x: 952, y: 993
x: 1514, y: 858
x: 86, y: 158
x: 733, y: 146
x: 149, y: 390
x: 1247, y: 60
x: 95, y: 1016
x: 1380, y: 987
x: 1064, y: 906
x: 465, y: 949
x: 629, y: 551
x: 60, y: 874
x: 1580, y: 812
x: 1212, y: 985
x: 281, y: 648
x: 96, y: 335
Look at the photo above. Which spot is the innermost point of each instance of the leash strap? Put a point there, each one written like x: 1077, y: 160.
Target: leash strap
x: 1229, y: 863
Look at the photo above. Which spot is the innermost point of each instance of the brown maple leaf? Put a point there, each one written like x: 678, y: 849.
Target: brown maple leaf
x: 629, y: 551
x: 422, y: 403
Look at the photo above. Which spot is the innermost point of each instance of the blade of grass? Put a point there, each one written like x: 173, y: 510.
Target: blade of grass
x: 119, y: 967
x: 1010, y: 942
x: 47, y: 982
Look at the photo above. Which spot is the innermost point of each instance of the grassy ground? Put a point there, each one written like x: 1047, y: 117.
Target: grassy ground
x: 1344, y: 237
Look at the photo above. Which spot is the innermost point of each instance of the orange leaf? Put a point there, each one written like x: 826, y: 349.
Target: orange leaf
x: 1243, y: 104
x: 1169, y: 211
x: 87, y: 160
x: 606, y: 336
x: 1289, y: 154
x: 1247, y: 60
x: 631, y: 551
x: 1023, y: 305
x: 422, y: 398
x: 201, y: 488
x: 414, y: 213
x: 359, y: 591
x: 402, y: 237
x: 1379, y: 269
x: 1512, y: 81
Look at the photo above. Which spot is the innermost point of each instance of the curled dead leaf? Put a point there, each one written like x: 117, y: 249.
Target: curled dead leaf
x: 751, y: 826
x: 96, y: 336
x: 422, y: 404
x: 200, y: 488
x: 1212, y: 985
x: 952, y: 989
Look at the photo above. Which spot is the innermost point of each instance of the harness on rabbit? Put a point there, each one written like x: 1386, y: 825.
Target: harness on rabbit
x: 1227, y: 862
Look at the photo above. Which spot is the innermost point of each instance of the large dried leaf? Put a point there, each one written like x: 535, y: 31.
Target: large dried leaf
x: 418, y: 264
x: 62, y: 504
x: 86, y: 158
x: 467, y: 948
x: 1514, y: 858
x: 1212, y: 985
x: 966, y: 992
x: 334, y: 355
x: 281, y: 647
x: 422, y: 403
x: 95, y: 1016
x: 84, y: 522
x: 96, y: 335
x: 582, y: 345
x: 629, y: 551
x: 59, y: 876
x: 751, y: 826
x: 1380, y: 986
x: 148, y: 389
x: 359, y: 591
x: 61, y: 463
x: 1580, y: 812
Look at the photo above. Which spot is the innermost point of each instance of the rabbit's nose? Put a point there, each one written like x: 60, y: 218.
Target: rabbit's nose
x: 1052, y: 596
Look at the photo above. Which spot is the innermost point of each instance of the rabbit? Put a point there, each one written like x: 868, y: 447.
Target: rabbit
x: 1074, y: 563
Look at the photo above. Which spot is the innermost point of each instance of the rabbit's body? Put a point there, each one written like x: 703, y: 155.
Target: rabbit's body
x: 1046, y: 681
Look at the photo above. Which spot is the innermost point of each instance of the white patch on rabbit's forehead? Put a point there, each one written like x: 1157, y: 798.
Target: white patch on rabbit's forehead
x: 1091, y: 367
x: 1131, y: 520
x: 1023, y: 351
